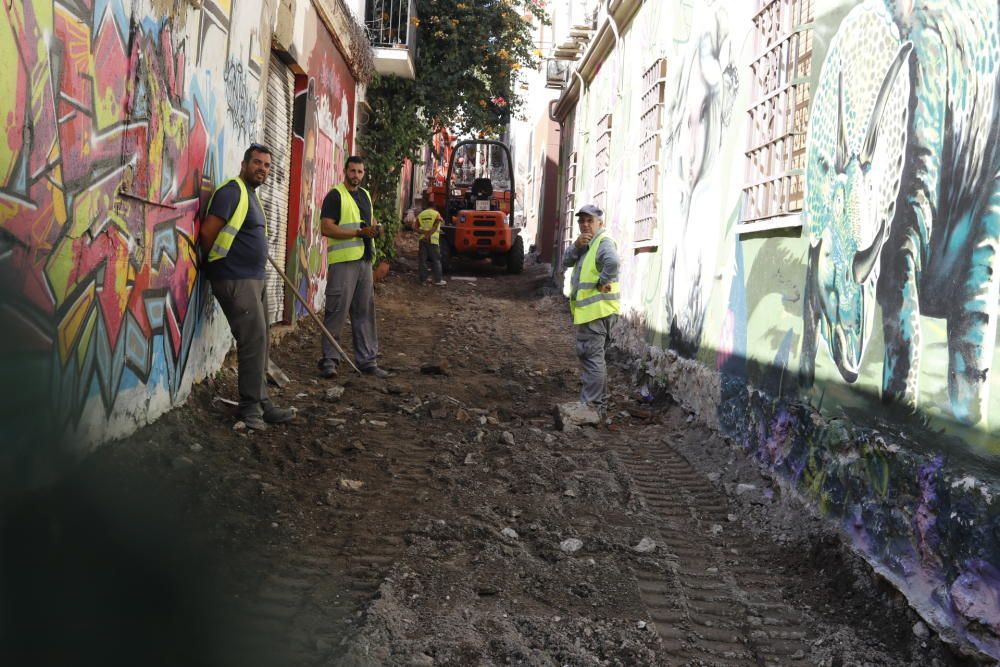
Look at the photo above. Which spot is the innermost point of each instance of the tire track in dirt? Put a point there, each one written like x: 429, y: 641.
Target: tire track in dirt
x: 307, y: 608
x: 720, y: 606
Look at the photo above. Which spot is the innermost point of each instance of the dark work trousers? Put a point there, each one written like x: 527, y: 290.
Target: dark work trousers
x: 592, y: 340
x: 244, y: 302
x: 350, y: 289
x: 432, y: 252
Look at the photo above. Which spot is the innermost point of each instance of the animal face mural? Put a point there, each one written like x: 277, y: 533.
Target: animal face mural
x: 902, y: 194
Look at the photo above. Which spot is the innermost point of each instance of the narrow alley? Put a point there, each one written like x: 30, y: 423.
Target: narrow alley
x: 440, y: 518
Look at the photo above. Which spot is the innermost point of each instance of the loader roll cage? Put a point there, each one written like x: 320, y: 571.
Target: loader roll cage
x: 478, y: 169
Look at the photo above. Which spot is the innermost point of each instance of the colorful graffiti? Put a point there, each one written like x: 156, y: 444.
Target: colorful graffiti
x: 103, y: 166
x: 322, y: 136
x: 903, y: 196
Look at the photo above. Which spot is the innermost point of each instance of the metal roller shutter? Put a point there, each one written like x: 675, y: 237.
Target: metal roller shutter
x: 274, y: 192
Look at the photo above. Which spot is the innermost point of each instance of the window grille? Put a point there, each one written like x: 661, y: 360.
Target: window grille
x: 651, y: 126
x: 602, y: 161
x: 779, y: 112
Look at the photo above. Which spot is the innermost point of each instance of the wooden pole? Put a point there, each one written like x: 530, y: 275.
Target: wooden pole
x: 312, y: 313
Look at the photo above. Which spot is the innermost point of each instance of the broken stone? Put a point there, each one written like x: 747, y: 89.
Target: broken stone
x: 571, y: 545
x: 641, y: 625
x: 798, y: 655
x: 507, y: 437
x: 714, y: 477
x: 421, y: 660
x: 335, y: 421
x: 182, y: 462
x: 716, y: 529
x: 375, y: 422
x: 645, y: 546
x: 439, y: 413
x: 240, y: 426
x: 462, y: 415
x: 920, y: 630
x: 575, y: 413
x: 354, y: 446
x: 195, y: 447
x: 743, y: 488
x: 436, y: 368
x: 334, y: 393
x: 470, y: 459
x: 509, y: 533
x: 396, y: 388
x: 569, y: 493
x: 276, y: 375
x: 351, y: 484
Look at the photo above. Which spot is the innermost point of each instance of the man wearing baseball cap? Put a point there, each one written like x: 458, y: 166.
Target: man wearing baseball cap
x: 593, y: 301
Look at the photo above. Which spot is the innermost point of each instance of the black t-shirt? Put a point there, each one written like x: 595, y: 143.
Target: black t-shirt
x: 247, y: 257
x: 331, y: 210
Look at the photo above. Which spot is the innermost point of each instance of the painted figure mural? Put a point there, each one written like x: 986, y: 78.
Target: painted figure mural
x: 699, y: 111
x: 903, y: 194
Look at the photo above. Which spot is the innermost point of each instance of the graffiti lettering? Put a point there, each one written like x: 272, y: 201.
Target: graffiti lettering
x: 241, y: 103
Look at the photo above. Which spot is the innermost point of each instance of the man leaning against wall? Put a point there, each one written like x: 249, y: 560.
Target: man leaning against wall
x: 234, y: 238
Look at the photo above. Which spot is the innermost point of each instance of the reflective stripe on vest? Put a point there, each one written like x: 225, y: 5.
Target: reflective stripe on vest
x: 347, y: 250
x: 427, y: 218
x: 224, y: 241
x: 587, y: 303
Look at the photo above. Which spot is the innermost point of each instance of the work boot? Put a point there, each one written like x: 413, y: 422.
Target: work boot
x: 327, y: 369
x: 375, y: 371
x: 274, y: 415
x: 254, y: 422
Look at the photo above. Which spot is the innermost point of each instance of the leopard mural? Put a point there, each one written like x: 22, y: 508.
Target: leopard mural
x: 902, y: 203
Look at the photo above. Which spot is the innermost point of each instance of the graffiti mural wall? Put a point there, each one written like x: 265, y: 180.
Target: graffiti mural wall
x: 120, y: 118
x: 111, y: 143
x: 850, y: 345
x: 323, y: 135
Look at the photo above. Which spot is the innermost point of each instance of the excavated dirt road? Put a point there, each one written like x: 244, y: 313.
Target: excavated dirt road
x: 439, y: 518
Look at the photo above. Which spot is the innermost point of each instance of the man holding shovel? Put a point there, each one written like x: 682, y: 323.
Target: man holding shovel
x: 234, y: 238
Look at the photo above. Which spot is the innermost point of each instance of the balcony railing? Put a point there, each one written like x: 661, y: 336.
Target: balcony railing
x: 389, y: 23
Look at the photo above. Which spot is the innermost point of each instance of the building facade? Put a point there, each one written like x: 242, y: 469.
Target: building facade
x: 804, y: 195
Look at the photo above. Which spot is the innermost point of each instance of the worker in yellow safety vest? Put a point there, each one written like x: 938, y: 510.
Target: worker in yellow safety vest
x: 593, y: 301
x: 234, y: 238
x: 429, y: 223
x: 347, y: 221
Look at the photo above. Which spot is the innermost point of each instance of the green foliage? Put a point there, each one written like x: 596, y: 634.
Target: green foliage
x: 468, y: 56
x: 385, y: 244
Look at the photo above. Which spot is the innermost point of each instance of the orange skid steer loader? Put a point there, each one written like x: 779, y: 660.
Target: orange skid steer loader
x: 477, y: 204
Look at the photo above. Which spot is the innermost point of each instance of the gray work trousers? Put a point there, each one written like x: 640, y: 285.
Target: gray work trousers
x: 432, y: 252
x: 592, y: 339
x: 244, y: 303
x: 350, y: 289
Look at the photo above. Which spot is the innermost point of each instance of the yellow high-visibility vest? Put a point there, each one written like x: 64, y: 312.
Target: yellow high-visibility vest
x: 347, y: 250
x: 224, y: 241
x: 587, y: 303
x: 427, y: 218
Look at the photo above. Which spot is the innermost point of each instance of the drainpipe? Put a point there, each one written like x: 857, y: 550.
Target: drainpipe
x: 618, y: 48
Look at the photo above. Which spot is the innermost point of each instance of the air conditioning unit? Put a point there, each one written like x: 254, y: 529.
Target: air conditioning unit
x: 556, y: 73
